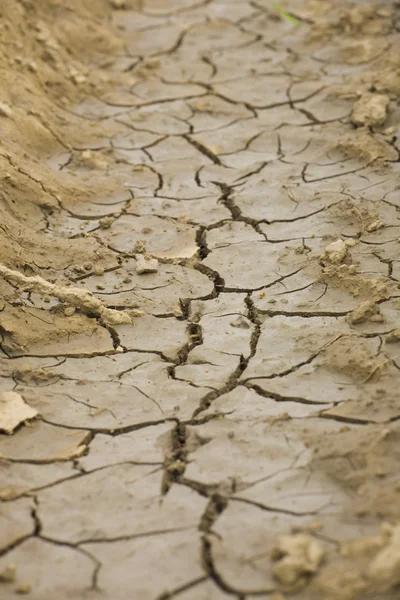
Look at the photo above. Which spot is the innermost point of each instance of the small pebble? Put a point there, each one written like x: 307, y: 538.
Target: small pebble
x: 8, y: 574
x: 23, y: 588
x: 5, y: 110
x: 146, y: 265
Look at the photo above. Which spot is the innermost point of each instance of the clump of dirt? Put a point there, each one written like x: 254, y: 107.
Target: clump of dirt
x: 383, y: 78
x: 31, y: 376
x: 77, y: 297
x: 365, y: 145
x: 296, y: 557
x: 357, y: 284
x: 357, y: 52
x: 393, y: 337
x: 14, y: 411
x: 339, y: 270
x: 357, y: 20
x: 365, y: 464
x: 363, y: 213
x: 351, y: 356
x: 28, y: 330
x: 371, y: 110
x: 364, y: 567
x: 146, y: 264
x: 371, y: 19
x: 363, y: 312
x: 335, y: 253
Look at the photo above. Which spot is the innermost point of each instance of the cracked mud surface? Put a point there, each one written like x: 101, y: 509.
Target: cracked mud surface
x: 224, y: 177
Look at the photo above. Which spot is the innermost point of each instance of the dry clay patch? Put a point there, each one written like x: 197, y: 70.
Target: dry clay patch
x: 210, y: 195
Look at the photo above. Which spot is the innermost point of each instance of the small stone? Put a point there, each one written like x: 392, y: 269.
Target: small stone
x: 76, y: 76
x: 378, y: 318
x: 79, y: 78
x: 69, y: 311
x: 78, y: 269
x: 106, y: 222
x: 178, y: 310
x: 152, y: 63
x: 14, y: 411
x: 177, y: 467
x: 393, y: 337
x: 8, y: 574
x: 389, y: 131
x: 23, y: 588
x: 371, y: 110
x: 146, y: 265
x: 5, y: 110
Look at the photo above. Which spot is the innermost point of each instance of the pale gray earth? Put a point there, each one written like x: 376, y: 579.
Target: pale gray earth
x: 257, y: 393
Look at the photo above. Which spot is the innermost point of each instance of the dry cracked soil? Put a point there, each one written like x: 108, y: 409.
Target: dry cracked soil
x: 199, y: 300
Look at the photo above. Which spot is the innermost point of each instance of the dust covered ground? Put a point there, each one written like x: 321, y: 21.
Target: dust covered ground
x: 199, y: 300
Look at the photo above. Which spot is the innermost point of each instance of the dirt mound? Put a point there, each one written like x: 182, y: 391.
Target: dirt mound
x: 43, y: 79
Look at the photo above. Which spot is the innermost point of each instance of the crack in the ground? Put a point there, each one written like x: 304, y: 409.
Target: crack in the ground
x: 152, y: 87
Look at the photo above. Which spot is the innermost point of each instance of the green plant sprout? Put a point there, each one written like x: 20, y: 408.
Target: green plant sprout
x: 286, y: 15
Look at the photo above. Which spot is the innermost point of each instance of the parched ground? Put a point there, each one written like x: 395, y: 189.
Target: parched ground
x: 229, y: 429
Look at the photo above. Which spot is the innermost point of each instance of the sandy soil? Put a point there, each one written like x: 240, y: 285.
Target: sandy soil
x: 199, y: 299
